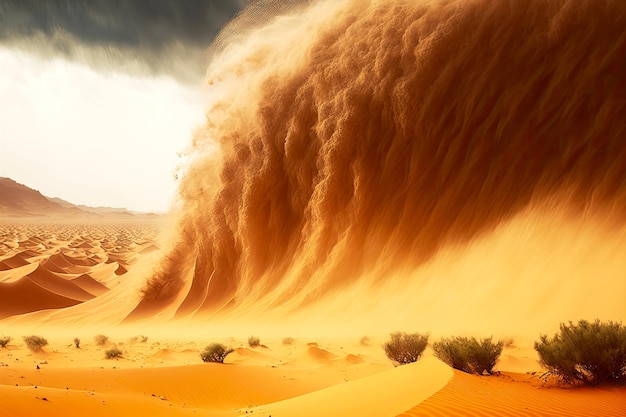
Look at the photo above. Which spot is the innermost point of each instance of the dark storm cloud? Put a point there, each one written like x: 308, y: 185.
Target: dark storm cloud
x: 151, y: 36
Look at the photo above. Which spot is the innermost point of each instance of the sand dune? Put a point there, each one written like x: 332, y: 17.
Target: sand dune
x: 25, y: 295
x: 49, y: 266
x: 74, y: 380
x: 165, y: 376
x: 385, y: 394
x: 518, y: 395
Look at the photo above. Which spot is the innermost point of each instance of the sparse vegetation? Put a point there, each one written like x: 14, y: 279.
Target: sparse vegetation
x: 101, y: 339
x: 77, y: 342
x: 113, y: 353
x: 405, y: 348
x: 35, y: 343
x: 139, y: 339
x: 215, y: 352
x: 288, y: 341
x: 4, y: 341
x: 509, y: 342
x: 592, y: 353
x: 365, y: 341
x: 254, y: 341
x: 468, y: 354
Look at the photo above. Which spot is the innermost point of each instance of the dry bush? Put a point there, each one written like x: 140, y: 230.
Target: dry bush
x: 405, y: 348
x: 113, y: 353
x: 365, y: 341
x: 77, y: 342
x: 288, y: 341
x: 101, y: 339
x: 592, y: 353
x: 215, y: 352
x: 139, y: 339
x: 254, y: 341
x: 509, y: 342
x: 35, y: 343
x: 4, y: 340
x: 468, y: 354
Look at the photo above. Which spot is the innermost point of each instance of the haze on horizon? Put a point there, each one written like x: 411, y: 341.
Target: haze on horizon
x: 100, y: 99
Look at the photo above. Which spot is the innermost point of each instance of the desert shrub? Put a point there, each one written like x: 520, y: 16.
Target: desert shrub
x: 113, y: 353
x: 4, y: 340
x: 405, y: 348
x: 101, y: 339
x: 77, y: 342
x: 452, y: 352
x: 139, y: 339
x: 35, y: 343
x: 365, y: 341
x: 468, y: 354
x: 594, y: 353
x: 509, y: 342
x: 288, y: 341
x: 254, y: 341
x: 215, y: 352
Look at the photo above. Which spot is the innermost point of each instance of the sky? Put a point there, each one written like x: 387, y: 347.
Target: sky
x: 99, y: 98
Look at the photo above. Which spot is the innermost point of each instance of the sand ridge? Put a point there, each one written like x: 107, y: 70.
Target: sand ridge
x: 167, y: 376
x: 50, y: 265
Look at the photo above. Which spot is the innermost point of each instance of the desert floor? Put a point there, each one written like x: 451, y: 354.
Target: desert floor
x: 307, y: 377
x: 62, y: 281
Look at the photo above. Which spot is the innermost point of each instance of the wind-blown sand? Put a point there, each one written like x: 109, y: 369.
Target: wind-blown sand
x: 455, y: 167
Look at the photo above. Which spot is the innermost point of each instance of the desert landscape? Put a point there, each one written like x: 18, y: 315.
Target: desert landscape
x: 76, y: 279
x: 313, y: 208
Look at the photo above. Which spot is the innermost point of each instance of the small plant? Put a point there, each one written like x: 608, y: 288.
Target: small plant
x: 509, y: 342
x: 35, y: 343
x: 405, y: 348
x: 101, y: 339
x: 592, y: 353
x: 77, y: 342
x: 215, y: 352
x: 139, y: 339
x: 254, y: 341
x: 4, y: 341
x: 288, y: 341
x: 468, y: 354
x: 113, y: 353
x: 365, y: 341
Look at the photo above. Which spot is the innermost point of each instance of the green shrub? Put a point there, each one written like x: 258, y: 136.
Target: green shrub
x: 468, y: 354
x: 77, y: 342
x: 101, y: 339
x: 452, y: 352
x: 113, y: 353
x: 254, y: 341
x: 35, y: 343
x: 594, y: 353
x: 4, y: 341
x: 215, y: 352
x: 405, y: 348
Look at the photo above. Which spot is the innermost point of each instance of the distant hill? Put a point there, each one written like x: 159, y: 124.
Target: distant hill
x: 18, y: 200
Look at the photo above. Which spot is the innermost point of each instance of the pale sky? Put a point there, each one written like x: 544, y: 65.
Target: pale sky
x: 93, y: 138
x: 98, y: 98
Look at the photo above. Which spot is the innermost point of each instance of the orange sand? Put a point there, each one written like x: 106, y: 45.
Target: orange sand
x: 165, y: 377
x: 78, y: 280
